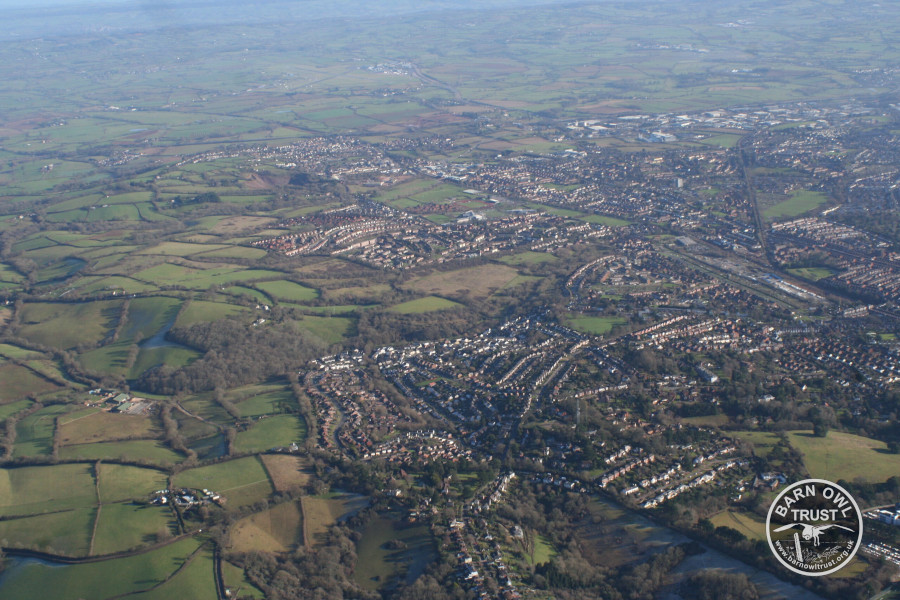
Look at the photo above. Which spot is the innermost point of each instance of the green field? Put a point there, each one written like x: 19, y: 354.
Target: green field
x: 122, y: 482
x: 378, y: 564
x: 19, y: 382
x: 542, y: 552
x: 365, y: 293
x: 266, y: 403
x: 236, y: 580
x: 762, y: 441
x: 596, y: 325
x: 752, y: 527
x: 475, y: 282
x: 800, y: 202
x: 321, y: 512
x: 168, y: 274
x: 845, y: 456
x: 34, y: 490
x: 286, y: 471
x: 331, y: 330
x: 90, y: 426
x: 105, y: 125
x: 124, y: 526
x: 175, y: 275
x: 195, y: 581
x: 7, y: 410
x: 725, y: 140
x: 18, y: 352
x: 235, y: 252
x: 424, y: 305
x: 68, y: 325
x: 204, y: 407
x: 288, y: 291
x: 242, y: 481
x: 270, y: 432
x: 812, y: 273
x: 51, y: 370
x: 406, y: 190
x: 172, y: 356
x: 147, y: 316
x: 278, y: 529
x: 151, y: 451
x: 181, y: 248
x: 201, y: 310
x: 257, y: 295
x: 210, y: 447
x: 605, y: 220
x: 439, y: 194
x: 34, y: 433
x: 88, y: 285
x: 111, y: 359
x: 60, y: 270
x: 36, y: 581
x: 559, y: 212
x: 78, y: 414
x: 67, y: 532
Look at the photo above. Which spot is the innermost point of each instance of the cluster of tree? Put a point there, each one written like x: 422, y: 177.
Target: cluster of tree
x: 318, y: 573
x: 883, y: 223
x: 381, y: 328
x: 301, y: 179
x: 757, y: 553
x: 204, y: 198
x: 789, y: 458
x: 9, y: 425
x: 873, y: 494
x: 879, y: 419
x: 718, y: 585
x: 235, y: 354
x: 439, y: 582
x: 173, y: 436
x: 572, y: 573
x: 578, y: 579
x: 813, y: 258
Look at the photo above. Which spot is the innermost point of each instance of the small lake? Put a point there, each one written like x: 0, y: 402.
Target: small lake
x: 158, y: 340
x: 18, y: 566
x: 210, y: 447
x: 70, y: 266
x: 383, y: 566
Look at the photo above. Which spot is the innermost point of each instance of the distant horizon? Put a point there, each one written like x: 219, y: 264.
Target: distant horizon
x: 37, y: 18
x: 7, y: 4
x: 34, y: 3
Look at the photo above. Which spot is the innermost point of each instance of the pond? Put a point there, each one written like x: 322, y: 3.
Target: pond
x: 158, y: 339
x: 17, y: 566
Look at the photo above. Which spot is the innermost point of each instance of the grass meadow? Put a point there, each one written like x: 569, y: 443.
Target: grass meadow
x: 242, y: 481
x: 278, y: 529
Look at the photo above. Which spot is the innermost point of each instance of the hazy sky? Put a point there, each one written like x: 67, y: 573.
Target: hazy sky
x: 39, y: 18
x: 32, y: 3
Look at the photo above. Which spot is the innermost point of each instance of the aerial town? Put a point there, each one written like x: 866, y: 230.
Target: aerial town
x: 402, y: 302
